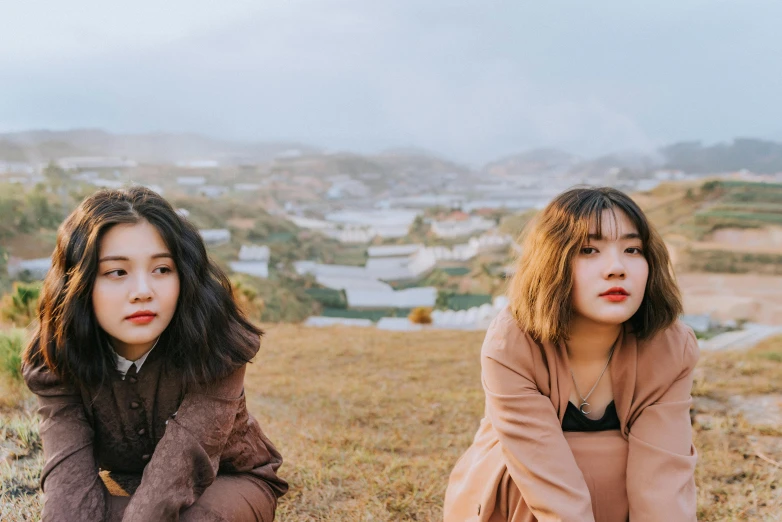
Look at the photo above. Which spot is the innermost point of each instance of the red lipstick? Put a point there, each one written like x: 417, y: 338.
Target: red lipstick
x: 616, y: 294
x: 142, y: 317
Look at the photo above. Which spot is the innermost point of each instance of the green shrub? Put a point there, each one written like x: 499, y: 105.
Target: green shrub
x: 11, y: 346
x: 467, y: 301
x: 329, y: 297
x: 19, y: 307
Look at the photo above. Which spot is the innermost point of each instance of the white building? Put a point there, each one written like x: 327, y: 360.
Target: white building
x: 351, y: 235
x: 95, y: 162
x: 399, y: 268
x: 311, y: 267
x: 253, y: 268
x: 215, y: 236
x: 476, y: 318
x: 254, y: 253
x: 341, y: 277
x: 374, y: 218
x: 409, y: 298
x: 393, y: 250
x: 319, y: 320
x: 490, y: 242
x: 424, y: 201
x: 247, y: 187
x: 391, y: 231
x: 310, y: 223
x: 37, y: 268
x: 106, y: 183
x: 190, y: 181
x: 700, y: 323
x: 463, y: 228
x: 16, y: 167
x: 197, y: 164
x: 353, y: 283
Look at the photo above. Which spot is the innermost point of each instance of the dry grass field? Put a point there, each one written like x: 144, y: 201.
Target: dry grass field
x: 371, y: 422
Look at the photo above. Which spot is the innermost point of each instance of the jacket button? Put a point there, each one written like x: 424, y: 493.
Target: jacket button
x: 134, y: 405
x: 145, y: 457
x: 142, y: 431
x: 133, y: 380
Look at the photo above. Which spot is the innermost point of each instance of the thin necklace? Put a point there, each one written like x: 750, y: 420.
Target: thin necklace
x: 585, y: 407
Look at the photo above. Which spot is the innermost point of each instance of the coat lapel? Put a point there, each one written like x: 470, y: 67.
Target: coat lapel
x: 559, y: 375
x: 623, y: 374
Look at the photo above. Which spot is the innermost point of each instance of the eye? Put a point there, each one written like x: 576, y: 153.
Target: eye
x: 588, y: 250
x: 163, y: 269
x: 634, y: 250
x: 116, y: 273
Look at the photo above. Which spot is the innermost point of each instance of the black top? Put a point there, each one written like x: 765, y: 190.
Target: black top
x: 576, y: 421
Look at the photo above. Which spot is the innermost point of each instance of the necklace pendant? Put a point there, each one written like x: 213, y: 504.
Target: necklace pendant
x: 585, y: 408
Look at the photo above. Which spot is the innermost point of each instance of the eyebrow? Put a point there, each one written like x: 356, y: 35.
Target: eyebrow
x: 123, y: 258
x: 631, y: 235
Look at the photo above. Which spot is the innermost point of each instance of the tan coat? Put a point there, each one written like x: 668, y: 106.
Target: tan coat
x: 520, y: 445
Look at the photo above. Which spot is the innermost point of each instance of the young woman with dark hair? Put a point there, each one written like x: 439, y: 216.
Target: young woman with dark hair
x: 138, y: 361
x: 587, y: 377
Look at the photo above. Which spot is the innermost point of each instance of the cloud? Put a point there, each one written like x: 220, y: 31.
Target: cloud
x: 472, y: 80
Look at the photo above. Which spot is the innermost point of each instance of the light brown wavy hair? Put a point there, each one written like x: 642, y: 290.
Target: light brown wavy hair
x: 539, y: 293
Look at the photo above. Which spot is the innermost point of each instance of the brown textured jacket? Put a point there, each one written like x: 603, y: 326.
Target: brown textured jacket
x: 527, y: 387
x: 147, y: 423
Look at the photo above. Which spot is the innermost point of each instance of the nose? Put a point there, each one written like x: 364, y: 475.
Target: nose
x: 141, y: 291
x: 615, y: 268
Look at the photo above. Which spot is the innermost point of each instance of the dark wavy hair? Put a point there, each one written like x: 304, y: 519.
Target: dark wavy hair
x: 539, y: 293
x: 208, y: 336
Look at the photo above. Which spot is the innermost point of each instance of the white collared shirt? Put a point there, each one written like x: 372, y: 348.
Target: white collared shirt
x: 123, y: 365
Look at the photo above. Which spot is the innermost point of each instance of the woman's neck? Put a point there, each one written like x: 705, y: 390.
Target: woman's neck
x: 132, y: 352
x: 589, y: 341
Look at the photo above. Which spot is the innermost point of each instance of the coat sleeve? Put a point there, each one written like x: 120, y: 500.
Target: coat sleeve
x: 186, y: 459
x: 537, y: 455
x: 661, y: 457
x: 72, y: 487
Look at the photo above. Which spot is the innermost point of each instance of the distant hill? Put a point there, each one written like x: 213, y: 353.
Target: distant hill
x: 755, y: 155
x: 536, y: 161
x: 760, y: 156
x: 44, y: 145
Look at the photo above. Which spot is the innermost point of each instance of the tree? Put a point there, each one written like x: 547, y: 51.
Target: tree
x: 58, y: 181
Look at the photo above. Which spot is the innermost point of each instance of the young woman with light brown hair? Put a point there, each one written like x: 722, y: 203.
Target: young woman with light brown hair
x: 587, y: 377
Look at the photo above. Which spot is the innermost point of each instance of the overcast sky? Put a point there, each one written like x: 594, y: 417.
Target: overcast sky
x: 473, y: 80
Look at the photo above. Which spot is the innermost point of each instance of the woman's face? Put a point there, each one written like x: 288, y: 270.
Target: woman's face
x: 610, y: 272
x: 136, y: 288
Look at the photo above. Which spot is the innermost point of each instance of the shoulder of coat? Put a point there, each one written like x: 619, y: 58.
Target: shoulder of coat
x: 673, y: 348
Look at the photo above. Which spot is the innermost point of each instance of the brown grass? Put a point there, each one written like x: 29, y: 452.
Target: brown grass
x: 370, y: 423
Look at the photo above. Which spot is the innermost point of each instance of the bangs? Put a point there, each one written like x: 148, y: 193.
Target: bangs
x: 593, y: 215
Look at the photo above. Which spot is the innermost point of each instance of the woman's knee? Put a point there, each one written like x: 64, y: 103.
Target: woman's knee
x: 233, y: 498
